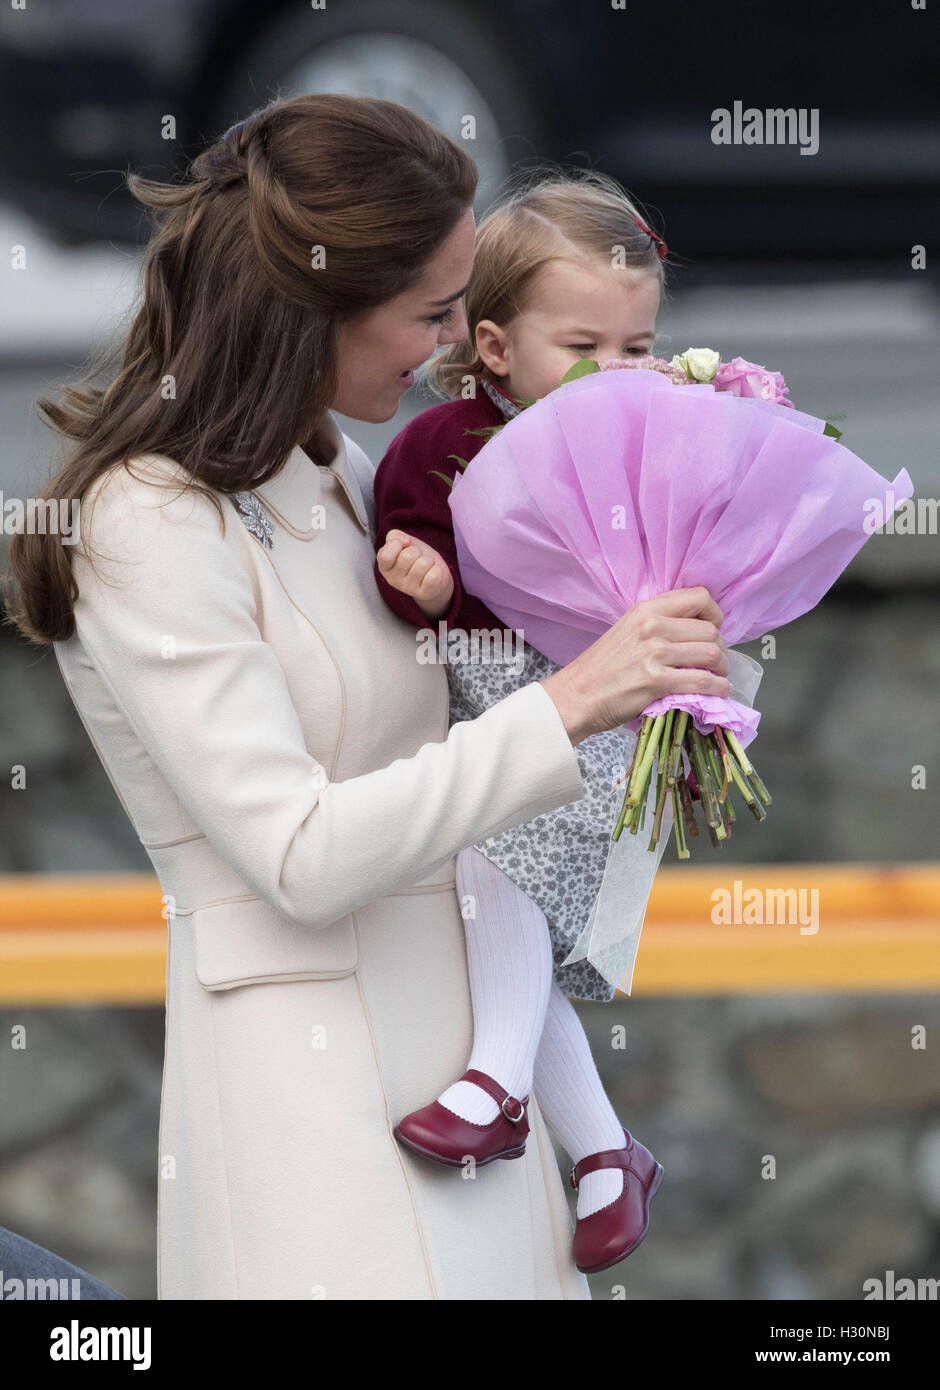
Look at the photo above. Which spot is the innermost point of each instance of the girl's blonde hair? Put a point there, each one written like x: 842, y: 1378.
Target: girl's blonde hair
x: 549, y: 215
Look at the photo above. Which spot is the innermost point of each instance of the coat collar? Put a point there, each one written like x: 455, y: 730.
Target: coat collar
x: 292, y: 493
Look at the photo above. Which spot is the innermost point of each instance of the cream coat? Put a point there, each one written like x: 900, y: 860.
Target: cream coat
x: 286, y: 762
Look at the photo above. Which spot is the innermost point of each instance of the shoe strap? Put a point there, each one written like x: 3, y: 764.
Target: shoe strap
x: 512, y: 1109
x: 607, y: 1158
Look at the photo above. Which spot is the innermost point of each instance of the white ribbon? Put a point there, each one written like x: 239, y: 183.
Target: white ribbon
x: 611, y: 938
x: 744, y: 675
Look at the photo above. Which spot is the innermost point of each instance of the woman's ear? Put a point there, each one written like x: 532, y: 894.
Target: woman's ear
x: 491, y: 346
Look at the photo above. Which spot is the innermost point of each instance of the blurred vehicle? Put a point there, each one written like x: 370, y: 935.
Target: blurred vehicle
x: 86, y: 84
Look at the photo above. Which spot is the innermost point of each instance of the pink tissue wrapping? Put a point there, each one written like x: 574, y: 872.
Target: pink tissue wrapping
x: 706, y: 712
x: 620, y: 486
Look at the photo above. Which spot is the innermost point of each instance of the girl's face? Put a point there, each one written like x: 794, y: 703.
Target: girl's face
x: 575, y: 310
x: 378, y: 351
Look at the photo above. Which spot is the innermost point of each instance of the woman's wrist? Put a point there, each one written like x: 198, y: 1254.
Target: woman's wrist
x: 572, y: 704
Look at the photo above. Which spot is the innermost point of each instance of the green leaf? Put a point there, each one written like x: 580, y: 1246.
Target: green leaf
x: 831, y: 430
x: 461, y: 463
x: 486, y: 432
x: 448, y: 481
x: 585, y: 367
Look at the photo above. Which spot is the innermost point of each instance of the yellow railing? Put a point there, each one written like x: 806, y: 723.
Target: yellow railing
x: 102, y: 939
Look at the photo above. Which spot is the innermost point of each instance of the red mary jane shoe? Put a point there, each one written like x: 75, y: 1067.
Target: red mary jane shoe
x: 608, y: 1236
x: 437, y: 1133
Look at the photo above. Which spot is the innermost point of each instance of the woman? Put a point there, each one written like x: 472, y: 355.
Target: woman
x: 281, y: 752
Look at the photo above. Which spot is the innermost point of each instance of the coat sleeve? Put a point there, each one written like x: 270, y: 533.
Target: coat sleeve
x: 170, y: 622
x: 406, y: 500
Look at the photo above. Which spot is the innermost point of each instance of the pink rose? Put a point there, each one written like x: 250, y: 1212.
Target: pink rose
x: 741, y: 378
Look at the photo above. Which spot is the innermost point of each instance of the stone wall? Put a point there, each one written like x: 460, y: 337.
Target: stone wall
x: 829, y: 1088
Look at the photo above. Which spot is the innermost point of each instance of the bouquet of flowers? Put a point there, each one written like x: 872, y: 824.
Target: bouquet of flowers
x: 616, y: 487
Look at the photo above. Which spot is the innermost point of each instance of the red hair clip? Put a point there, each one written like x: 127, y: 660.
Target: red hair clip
x: 661, y: 246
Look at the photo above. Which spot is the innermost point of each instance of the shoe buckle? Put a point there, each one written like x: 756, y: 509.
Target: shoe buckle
x: 514, y: 1119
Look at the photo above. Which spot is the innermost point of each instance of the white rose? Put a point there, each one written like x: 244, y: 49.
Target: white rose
x: 701, y: 363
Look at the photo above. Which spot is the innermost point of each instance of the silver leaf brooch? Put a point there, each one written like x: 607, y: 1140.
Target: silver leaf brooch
x: 255, y: 517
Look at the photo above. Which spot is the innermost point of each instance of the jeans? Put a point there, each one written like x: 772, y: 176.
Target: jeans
x: 21, y: 1260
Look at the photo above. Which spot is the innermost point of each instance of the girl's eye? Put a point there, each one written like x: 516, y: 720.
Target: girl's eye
x: 445, y: 317
x: 627, y: 352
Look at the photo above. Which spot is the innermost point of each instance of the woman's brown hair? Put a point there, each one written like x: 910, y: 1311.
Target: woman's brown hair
x: 312, y: 210
x: 549, y: 213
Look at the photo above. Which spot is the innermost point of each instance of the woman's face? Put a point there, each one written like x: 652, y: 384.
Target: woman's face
x: 378, y: 351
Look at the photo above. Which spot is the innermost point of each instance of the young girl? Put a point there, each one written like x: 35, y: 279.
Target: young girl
x: 564, y: 269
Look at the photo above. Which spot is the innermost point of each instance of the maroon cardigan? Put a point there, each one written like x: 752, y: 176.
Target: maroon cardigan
x: 409, y: 497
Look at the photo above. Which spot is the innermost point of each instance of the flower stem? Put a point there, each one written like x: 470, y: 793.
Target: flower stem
x: 636, y: 793
x: 721, y: 775
x: 682, y: 849
x: 704, y: 779
x: 748, y: 769
x: 757, y: 811
x: 675, y: 750
x: 688, y: 811
x: 718, y: 761
x: 661, y: 784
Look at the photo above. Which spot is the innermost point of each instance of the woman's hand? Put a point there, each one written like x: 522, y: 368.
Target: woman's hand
x: 415, y: 568
x: 669, y: 645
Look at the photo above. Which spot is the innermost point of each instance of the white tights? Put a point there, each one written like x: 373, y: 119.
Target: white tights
x: 525, y: 1030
